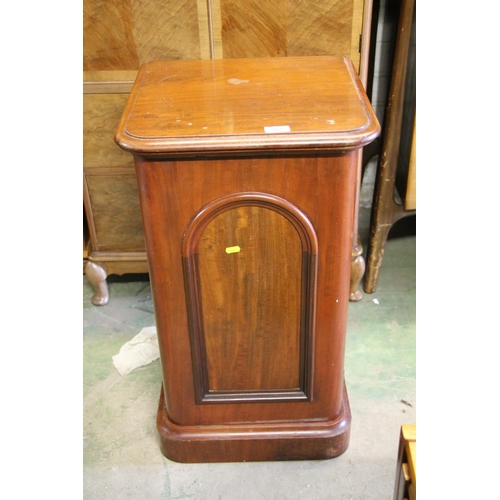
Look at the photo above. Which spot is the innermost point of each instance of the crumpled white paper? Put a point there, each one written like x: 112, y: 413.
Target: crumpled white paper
x: 139, y: 351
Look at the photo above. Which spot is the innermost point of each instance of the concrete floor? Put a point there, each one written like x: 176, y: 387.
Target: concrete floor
x: 121, y: 458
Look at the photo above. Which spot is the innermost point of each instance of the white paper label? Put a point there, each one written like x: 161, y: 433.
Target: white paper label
x: 277, y: 129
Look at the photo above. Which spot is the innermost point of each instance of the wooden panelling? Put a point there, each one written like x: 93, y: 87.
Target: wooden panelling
x: 205, y: 26
x: 101, y: 115
x: 108, y: 77
x: 123, y: 34
x: 254, y: 28
x: 252, y: 255
x: 108, y: 41
x: 116, y: 212
x: 320, y: 27
x: 258, y: 28
x: 259, y: 252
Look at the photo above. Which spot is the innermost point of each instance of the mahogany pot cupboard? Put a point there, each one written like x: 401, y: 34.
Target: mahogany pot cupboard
x: 247, y: 175
x: 120, y: 36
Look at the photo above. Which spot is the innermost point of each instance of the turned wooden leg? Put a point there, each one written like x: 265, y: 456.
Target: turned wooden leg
x: 97, y: 278
x: 357, y: 272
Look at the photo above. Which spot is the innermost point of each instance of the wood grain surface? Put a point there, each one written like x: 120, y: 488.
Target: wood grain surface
x: 173, y: 192
x: 122, y: 35
x: 101, y: 115
x: 253, y: 28
x: 258, y: 28
x: 252, y: 300
x: 231, y: 216
x: 116, y: 212
x: 252, y: 303
x: 240, y: 104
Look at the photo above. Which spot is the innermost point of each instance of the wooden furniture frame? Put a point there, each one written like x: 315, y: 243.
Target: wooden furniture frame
x: 396, y: 167
x: 247, y: 172
x: 118, y: 40
x: 405, y: 487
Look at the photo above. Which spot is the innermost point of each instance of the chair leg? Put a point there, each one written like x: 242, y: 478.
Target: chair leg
x: 385, y: 211
x: 378, y: 238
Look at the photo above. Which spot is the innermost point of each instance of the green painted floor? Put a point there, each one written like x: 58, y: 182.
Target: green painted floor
x: 121, y: 455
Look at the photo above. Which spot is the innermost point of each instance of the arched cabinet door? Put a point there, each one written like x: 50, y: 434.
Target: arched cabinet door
x: 250, y: 266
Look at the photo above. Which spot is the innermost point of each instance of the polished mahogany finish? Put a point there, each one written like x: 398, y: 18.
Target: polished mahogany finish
x: 235, y: 105
x: 247, y: 174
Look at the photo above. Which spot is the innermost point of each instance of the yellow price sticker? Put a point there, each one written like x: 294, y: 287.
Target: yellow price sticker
x: 235, y: 249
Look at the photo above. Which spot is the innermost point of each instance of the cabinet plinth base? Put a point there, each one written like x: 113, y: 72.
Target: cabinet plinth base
x: 254, y: 442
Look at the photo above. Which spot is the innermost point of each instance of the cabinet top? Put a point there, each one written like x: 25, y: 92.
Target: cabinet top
x: 238, y: 105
